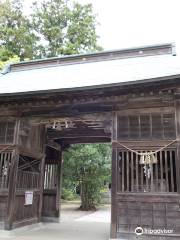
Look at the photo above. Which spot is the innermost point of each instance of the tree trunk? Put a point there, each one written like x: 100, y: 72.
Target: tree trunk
x: 87, y: 204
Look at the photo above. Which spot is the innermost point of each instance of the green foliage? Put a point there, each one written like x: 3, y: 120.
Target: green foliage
x: 68, y: 194
x: 65, y: 28
x: 15, y: 32
x: 87, y: 166
x: 56, y: 27
x: 6, y: 58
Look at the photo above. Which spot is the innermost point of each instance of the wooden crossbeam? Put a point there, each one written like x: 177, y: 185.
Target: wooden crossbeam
x: 77, y: 133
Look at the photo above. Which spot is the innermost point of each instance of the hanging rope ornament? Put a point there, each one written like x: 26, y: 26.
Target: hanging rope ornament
x: 147, y: 158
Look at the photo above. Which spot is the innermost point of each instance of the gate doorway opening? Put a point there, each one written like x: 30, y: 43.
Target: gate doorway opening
x: 77, y: 164
x: 83, y: 176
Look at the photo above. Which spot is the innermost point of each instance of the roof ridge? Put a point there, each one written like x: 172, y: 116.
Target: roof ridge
x: 149, y: 50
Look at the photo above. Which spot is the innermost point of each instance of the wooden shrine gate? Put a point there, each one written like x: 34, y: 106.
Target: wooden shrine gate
x: 140, y: 117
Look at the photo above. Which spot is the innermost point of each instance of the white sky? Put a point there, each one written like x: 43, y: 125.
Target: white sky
x: 131, y: 23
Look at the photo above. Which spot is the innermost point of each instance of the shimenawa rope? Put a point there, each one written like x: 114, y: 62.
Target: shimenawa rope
x: 145, y: 153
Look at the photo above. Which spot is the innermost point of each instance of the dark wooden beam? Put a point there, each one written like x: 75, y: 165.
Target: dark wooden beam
x: 33, y: 154
x: 77, y: 133
x: 85, y: 140
x: 66, y: 111
x: 53, y: 145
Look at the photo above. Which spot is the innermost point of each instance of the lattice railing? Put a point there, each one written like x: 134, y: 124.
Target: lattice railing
x: 133, y: 176
x: 5, y: 163
x: 50, y: 178
x: 28, y: 180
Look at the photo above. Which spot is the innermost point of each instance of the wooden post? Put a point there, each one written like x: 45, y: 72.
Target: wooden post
x: 41, y: 187
x: 42, y: 169
x: 113, y: 234
x: 178, y: 144
x: 59, y: 185
x: 11, y: 202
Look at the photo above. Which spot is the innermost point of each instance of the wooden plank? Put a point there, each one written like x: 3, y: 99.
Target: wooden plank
x: 123, y: 169
x: 12, y: 190
x: 59, y: 185
x: 137, y: 174
x: 166, y: 172
x: 142, y: 176
x: 177, y: 162
x: 61, y: 179
x: 127, y: 171
x: 157, y: 167
x: 1, y: 169
x: 12, y: 182
x: 161, y: 171
x: 119, y: 171
x: 152, y: 178
x: 70, y: 133
x: 8, y: 169
x: 171, y: 171
x: 113, y: 233
x: 147, y: 179
x: 149, y: 197
x: 42, y: 172
x: 132, y: 172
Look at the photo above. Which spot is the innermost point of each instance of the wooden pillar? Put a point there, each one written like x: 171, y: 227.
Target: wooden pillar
x: 178, y: 143
x: 42, y: 170
x: 12, y: 182
x: 113, y: 233
x: 41, y: 188
x: 59, y: 185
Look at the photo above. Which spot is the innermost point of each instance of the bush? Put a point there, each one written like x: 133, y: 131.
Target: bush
x: 68, y: 195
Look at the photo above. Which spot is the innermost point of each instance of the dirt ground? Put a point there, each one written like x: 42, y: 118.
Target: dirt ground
x: 74, y: 225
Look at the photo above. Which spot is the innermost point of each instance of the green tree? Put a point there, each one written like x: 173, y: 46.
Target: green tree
x: 7, y: 57
x: 87, y: 166
x: 16, y: 34
x: 56, y: 27
x: 65, y: 27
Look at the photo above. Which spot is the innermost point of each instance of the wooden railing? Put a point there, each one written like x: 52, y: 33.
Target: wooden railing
x: 133, y: 176
x: 28, y: 180
x: 5, y: 163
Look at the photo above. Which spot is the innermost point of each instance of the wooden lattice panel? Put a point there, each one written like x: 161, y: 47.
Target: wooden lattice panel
x: 50, y: 178
x: 156, y: 177
x: 146, y: 126
x: 5, y: 163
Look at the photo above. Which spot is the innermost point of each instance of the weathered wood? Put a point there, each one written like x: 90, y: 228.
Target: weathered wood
x: 177, y: 104
x: 12, y: 181
x: 41, y: 188
x: 143, y: 119
x: 59, y: 184
x: 113, y: 233
x: 76, y: 133
x: 52, y: 188
x: 147, y: 211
